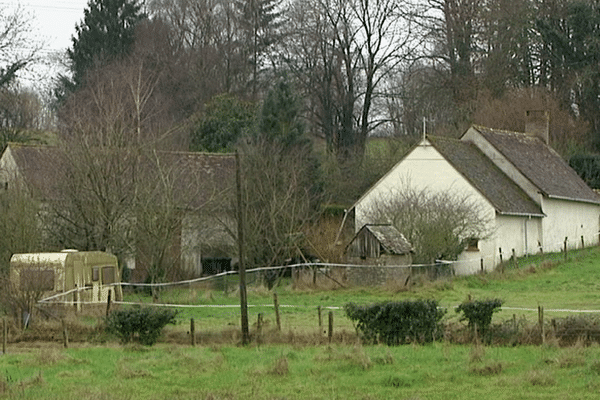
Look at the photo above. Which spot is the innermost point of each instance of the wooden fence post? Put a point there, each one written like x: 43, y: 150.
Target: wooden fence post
x: 514, y: 256
x: 108, y: 300
x: 259, y: 324
x: 330, y: 326
x: 582, y: 242
x: 193, y: 331
x: 481, y: 263
x: 565, y: 246
x: 541, y: 322
x: 65, y: 334
x: 276, y: 305
x: 4, y: 335
x: 320, y: 312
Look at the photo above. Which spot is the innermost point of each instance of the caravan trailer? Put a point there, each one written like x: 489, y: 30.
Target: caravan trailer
x: 86, y: 277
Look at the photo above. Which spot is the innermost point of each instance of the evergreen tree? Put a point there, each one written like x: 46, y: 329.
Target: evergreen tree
x: 106, y: 33
x: 280, y: 117
x: 224, y: 121
x: 259, y: 22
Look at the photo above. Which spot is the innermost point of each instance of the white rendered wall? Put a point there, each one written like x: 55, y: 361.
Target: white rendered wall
x: 520, y: 233
x: 572, y: 220
x: 425, y: 168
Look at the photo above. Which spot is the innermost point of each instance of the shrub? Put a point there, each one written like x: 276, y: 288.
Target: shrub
x: 146, y: 323
x: 479, y: 313
x: 395, y: 323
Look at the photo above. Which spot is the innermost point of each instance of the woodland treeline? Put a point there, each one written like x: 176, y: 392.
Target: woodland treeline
x: 299, y: 86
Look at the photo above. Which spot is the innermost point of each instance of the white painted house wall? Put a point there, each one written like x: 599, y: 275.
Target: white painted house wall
x: 8, y: 169
x: 425, y: 168
x: 524, y: 233
x: 571, y: 220
x: 564, y: 218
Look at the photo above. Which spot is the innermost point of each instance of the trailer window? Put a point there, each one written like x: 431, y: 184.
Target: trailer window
x: 108, y: 275
x: 95, y: 274
x: 36, y: 279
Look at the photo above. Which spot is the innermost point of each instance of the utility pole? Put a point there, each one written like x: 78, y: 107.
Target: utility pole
x: 242, y: 266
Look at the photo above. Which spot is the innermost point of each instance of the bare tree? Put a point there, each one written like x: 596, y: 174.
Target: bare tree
x: 19, y: 229
x: 437, y: 224
x: 278, y: 202
x: 343, y: 52
x: 17, y: 49
x: 24, y: 288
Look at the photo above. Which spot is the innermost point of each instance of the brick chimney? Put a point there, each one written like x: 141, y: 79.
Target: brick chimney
x: 537, y: 123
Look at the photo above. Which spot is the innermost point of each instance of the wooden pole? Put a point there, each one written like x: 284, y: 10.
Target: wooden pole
x: 582, y: 242
x: 259, y: 325
x: 330, y: 326
x: 481, y: 263
x: 192, y: 331
x: 514, y: 256
x: 565, y: 246
x: 276, y: 305
x: 320, y: 312
x: 4, y: 335
x: 242, y: 266
x: 65, y: 334
x: 541, y: 322
x: 108, y: 302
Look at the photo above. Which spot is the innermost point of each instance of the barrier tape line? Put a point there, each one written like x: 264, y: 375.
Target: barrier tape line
x: 298, y: 306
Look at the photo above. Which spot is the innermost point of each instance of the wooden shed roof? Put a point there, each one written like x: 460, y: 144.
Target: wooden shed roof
x: 390, y: 238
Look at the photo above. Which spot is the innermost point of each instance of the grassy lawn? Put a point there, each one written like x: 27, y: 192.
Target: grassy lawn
x: 437, y: 371
x: 301, y: 368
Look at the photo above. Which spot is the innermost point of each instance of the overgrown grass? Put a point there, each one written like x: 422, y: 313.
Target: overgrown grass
x: 297, y: 363
x: 545, y: 281
x: 438, y: 371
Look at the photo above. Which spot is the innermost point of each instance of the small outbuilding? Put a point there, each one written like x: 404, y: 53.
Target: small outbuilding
x: 86, y: 277
x: 383, y: 251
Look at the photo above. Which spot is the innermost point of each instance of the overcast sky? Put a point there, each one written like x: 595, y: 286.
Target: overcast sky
x: 53, y: 23
x: 55, y: 20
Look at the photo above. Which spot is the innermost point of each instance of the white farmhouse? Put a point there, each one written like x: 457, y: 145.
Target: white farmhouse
x: 532, y: 199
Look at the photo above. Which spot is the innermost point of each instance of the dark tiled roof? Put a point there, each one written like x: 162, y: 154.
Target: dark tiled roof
x: 39, y: 166
x: 540, y: 164
x: 390, y: 238
x: 198, y: 178
x: 195, y: 178
x: 486, y: 177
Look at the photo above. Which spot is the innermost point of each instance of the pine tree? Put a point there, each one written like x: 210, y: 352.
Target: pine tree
x: 106, y: 33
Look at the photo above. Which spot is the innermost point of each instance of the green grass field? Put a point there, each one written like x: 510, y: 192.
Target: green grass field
x: 301, y: 365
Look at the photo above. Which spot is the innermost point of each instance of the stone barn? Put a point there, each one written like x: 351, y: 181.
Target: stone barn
x: 382, y: 253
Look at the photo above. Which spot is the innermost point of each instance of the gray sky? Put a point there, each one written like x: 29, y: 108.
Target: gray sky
x: 53, y: 23
x: 55, y: 20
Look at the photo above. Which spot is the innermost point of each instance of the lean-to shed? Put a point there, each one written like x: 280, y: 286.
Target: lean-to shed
x: 383, y: 251
x: 380, y: 245
x: 87, y: 275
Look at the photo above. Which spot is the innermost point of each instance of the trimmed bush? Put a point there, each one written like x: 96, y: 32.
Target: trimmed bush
x: 142, y: 324
x: 395, y: 323
x: 479, y: 313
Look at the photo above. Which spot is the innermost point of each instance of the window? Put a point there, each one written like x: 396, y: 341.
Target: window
x: 108, y: 275
x: 36, y: 280
x: 95, y: 274
x: 472, y: 244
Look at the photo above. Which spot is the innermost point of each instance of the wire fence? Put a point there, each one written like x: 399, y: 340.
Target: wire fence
x: 184, y: 294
